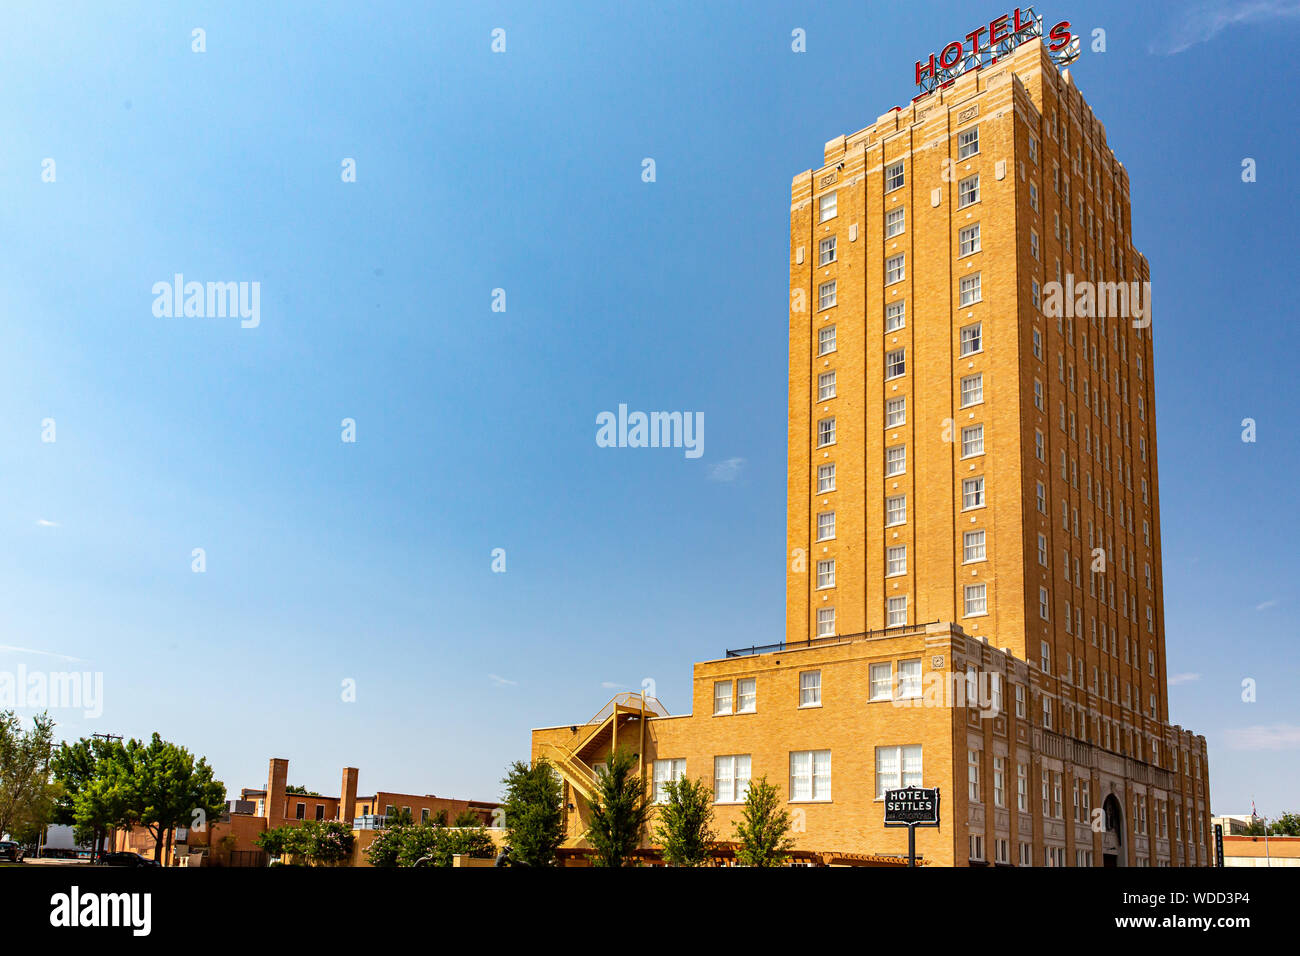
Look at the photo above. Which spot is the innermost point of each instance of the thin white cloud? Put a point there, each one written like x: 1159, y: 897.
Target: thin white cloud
x: 45, y: 523
x: 1206, y: 21
x: 500, y: 681
x: 610, y: 685
x: 10, y: 649
x: 1264, y: 737
x: 1265, y: 605
x: 1183, y: 678
x: 728, y: 470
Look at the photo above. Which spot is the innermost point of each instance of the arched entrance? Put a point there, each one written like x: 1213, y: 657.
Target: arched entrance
x: 1112, y: 838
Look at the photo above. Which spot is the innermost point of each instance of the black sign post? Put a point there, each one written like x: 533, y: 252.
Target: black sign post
x: 1218, y: 845
x: 912, y: 807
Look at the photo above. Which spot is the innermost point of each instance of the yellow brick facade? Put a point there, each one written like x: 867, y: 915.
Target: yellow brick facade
x: 1065, y: 522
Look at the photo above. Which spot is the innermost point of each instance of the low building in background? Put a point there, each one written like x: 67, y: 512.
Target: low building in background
x: 1235, y: 824
x: 231, y: 841
x: 1261, y: 851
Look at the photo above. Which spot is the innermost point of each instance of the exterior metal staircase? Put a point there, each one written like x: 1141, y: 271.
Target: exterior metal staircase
x: 573, y: 757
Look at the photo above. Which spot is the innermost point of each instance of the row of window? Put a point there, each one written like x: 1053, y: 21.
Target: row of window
x: 969, y: 291
x: 972, y: 436
x: 809, y: 774
x: 901, y: 680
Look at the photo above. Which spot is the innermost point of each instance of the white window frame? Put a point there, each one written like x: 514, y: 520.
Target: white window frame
x: 733, y: 763
x: 909, y: 679
x: 895, y: 510
x: 825, y: 478
x: 666, y: 770
x: 881, y: 681
x: 896, y: 608
x: 747, y: 689
x: 901, y: 777
x: 826, y: 251
x: 818, y: 777
x: 895, y: 364
x: 968, y: 142
x: 827, y: 206
x: 810, y: 688
x: 895, y: 222
x: 826, y: 297
x: 896, y: 412
x: 826, y: 340
x: 895, y: 460
x: 826, y: 386
x: 826, y: 622
x: 895, y: 177
x: 896, y: 316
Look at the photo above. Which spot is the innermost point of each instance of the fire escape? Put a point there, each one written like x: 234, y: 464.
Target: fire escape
x: 626, y: 715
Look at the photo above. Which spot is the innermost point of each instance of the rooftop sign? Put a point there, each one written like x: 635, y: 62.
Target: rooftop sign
x: 987, y: 43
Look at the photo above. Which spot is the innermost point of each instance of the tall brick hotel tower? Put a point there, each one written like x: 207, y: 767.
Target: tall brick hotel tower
x: 973, y: 503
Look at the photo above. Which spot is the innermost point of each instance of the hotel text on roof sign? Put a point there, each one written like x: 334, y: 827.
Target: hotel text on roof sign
x: 987, y: 43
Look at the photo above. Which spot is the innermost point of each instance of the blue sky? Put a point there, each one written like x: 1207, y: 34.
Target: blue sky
x: 371, y: 561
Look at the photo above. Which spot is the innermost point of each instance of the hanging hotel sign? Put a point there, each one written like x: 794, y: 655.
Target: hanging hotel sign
x: 987, y: 43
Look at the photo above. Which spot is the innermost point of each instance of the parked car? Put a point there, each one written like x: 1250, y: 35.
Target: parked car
x: 126, y: 859
x: 11, y: 851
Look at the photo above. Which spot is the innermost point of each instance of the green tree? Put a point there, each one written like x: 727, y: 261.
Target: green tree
x: 534, y: 820
x: 1288, y: 824
x: 440, y: 818
x: 763, y: 829
x: 278, y: 841
x: 465, y: 841
x: 93, y: 797
x: 168, y: 788
x: 27, y: 797
x: 326, y: 842
x: 300, y: 791
x: 400, y: 817
x: 418, y: 841
x: 685, y: 828
x: 1256, y: 828
x: 620, y: 810
x: 386, y: 846
x: 466, y: 818
x: 314, y: 843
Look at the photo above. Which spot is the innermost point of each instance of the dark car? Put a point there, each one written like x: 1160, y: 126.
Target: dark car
x: 11, y: 851
x: 126, y: 859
